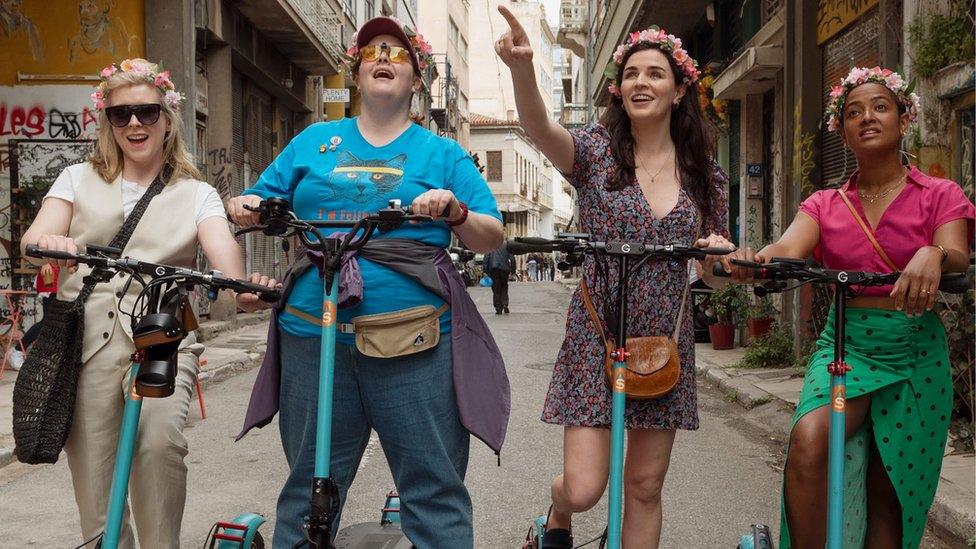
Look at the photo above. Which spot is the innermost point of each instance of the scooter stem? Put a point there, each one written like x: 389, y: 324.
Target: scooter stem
x: 838, y: 427
x: 123, y: 464
x: 617, y: 425
x: 324, y: 501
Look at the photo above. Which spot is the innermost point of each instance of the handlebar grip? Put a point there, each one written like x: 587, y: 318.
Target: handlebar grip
x: 716, y: 251
x: 34, y: 251
x: 520, y: 248
x: 955, y: 283
x: 535, y: 240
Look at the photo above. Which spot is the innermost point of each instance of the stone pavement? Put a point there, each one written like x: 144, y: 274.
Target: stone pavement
x: 231, y: 347
x: 952, y: 515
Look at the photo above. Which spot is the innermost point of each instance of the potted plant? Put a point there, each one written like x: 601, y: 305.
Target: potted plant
x: 725, y: 309
x: 759, y: 317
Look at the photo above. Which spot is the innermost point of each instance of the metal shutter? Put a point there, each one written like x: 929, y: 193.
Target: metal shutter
x: 735, y: 128
x: 857, y: 46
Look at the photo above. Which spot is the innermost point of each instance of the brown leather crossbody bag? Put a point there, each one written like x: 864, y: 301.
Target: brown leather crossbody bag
x: 653, y: 362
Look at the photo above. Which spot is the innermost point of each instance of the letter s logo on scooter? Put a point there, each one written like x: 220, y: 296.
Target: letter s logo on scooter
x: 328, y: 314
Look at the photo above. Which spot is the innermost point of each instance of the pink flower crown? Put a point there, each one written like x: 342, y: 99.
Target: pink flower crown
x: 668, y: 43
x: 149, y: 71
x: 425, y: 52
x: 862, y: 75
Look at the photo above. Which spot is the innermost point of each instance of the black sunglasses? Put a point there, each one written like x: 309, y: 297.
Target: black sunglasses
x: 120, y: 115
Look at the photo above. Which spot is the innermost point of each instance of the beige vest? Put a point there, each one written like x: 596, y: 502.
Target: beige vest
x: 166, y: 234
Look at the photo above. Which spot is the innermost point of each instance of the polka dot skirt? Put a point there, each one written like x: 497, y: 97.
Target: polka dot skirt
x: 903, y: 364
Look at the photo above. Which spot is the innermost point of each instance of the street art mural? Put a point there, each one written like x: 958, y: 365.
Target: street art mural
x: 79, y: 40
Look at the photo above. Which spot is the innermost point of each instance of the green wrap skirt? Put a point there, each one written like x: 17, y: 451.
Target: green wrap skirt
x: 903, y: 363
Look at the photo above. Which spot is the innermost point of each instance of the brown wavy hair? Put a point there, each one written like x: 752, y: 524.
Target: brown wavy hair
x: 693, y: 137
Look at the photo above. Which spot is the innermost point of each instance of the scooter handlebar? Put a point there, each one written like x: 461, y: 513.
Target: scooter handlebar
x: 34, y: 251
x: 520, y: 247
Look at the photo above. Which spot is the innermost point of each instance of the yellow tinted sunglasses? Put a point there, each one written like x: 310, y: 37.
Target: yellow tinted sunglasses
x: 395, y: 54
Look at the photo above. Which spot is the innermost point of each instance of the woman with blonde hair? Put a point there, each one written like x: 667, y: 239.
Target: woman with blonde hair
x: 139, y: 165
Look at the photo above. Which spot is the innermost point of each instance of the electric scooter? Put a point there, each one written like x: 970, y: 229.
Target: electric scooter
x: 277, y: 219
x: 778, y: 274
x: 630, y: 256
x: 161, y: 318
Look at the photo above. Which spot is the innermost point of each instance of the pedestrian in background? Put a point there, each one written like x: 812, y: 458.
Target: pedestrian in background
x: 499, y: 264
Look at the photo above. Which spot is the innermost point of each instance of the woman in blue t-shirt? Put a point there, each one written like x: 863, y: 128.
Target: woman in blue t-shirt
x: 346, y: 169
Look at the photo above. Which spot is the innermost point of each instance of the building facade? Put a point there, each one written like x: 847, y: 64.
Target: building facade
x: 444, y: 23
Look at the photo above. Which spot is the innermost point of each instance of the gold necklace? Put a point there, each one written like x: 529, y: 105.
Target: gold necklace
x: 872, y: 198
x: 653, y: 177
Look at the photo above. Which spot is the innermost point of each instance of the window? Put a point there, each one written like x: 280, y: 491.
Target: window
x: 452, y: 32
x: 494, y: 161
x: 370, y: 9
x: 463, y: 48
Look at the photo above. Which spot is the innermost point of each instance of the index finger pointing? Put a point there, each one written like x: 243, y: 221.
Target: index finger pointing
x: 512, y: 21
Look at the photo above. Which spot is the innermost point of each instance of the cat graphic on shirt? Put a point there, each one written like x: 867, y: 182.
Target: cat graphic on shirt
x: 366, y: 181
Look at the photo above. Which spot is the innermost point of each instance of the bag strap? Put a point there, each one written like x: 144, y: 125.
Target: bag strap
x: 585, y: 292
x: 867, y: 231
x: 129, y: 225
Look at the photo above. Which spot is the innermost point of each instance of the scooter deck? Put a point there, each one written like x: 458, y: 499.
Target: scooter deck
x: 371, y: 535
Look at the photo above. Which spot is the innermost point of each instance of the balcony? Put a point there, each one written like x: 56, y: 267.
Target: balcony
x: 445, y: 92
x: 309, y: 32
x: 572, y: 28
x: 574, y: 116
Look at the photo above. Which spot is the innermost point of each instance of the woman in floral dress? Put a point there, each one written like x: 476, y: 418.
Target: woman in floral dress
x: 645, y: 173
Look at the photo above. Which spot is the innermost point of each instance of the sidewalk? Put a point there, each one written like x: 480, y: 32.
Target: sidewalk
x: 231, y: 347
x: 951, y: 515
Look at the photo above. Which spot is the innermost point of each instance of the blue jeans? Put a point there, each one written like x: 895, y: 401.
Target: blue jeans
x: 409, y: 402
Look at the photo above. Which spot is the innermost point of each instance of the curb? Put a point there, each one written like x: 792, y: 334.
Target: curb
x: 741, y: 392
x: 211, y: 329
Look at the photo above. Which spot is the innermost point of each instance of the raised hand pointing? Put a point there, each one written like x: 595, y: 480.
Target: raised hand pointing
x: 513, y: 46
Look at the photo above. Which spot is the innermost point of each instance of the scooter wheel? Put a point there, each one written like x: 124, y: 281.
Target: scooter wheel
x: 258, y: 541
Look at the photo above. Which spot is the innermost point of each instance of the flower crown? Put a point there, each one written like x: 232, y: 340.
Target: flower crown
x: 862, y: 75
x: 668, y: 43
x: 425, y: 52
x: 141, y: 67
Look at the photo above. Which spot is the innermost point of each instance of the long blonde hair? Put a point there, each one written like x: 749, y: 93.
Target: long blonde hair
x: 106, y: 156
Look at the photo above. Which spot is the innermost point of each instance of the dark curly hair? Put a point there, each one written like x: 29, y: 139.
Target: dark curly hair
x: 693, y: 136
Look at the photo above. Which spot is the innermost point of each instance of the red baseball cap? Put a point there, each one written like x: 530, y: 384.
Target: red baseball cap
x: 386, y: 25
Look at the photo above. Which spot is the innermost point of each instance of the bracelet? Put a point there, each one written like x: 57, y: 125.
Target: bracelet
x: 945, y: 254
x: 464, y: 215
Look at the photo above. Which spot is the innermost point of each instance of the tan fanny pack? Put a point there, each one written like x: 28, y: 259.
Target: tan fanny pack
x: 392, y: 334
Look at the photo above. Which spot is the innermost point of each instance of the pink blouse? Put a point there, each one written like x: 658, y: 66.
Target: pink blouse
x: 923, y: 205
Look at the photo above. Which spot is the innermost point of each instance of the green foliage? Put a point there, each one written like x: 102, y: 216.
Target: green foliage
x: 957, y: 314
x: 773, y: 350
x: 941, y: 40
x: 762, y: 307
x: 727, y: 305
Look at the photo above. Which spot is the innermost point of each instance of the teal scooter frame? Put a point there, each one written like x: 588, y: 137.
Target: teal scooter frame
x: 630, y: 257
x: 164, y: 283
x: 846, y: 284
x: 277, y: 219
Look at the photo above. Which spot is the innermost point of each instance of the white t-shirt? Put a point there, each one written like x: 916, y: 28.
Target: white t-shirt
x: 207, y: 204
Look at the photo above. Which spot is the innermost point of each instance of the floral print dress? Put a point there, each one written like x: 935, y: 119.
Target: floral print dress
x: 578, y: 394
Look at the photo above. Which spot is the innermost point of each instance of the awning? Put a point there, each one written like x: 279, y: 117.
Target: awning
x: 753, y: 71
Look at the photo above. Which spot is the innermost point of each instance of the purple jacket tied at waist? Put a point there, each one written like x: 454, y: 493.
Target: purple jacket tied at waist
x: 481, y: 385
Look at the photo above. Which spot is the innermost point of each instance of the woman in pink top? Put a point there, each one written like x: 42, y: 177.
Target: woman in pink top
x: 900, y: 390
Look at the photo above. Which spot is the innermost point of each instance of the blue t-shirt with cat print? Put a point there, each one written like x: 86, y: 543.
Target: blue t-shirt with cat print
x: 329, y: 171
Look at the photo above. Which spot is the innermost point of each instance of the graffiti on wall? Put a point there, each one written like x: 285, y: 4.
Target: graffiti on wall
x: 29, y: 116
x: 220, y: 164
x: 802, y: 153
x: 834, y: 16
x: 82, y: 39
